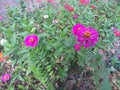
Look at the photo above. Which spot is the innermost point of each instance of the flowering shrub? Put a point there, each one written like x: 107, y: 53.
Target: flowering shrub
x: 43, y: 47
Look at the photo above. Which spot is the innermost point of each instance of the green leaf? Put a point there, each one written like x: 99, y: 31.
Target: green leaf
x: 13, y: 39
x: 106, y: 83
x: 50, y: 86
x: 13, y: 26
x: 61, y: 73
x: 20, y: 78
x: 29, y: 69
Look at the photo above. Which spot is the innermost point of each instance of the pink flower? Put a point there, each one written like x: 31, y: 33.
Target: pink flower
x: 50, y: 1
x: 66, y: 6
x: 101, y: 52
x: 69, y: 8
x: 76, y: 29
x: 84, y: 2
x: 54, y: 21
x: 31, y: 40
x: 88, y: 37
x: 112, y: 50
x: 116, y: 45
x: 113, y: 28
x: 119, y: 57
x: 93, y: 7
x: 77, y: 47
x: 1, y: 18
x: 38, y: 0
x: 75, y: 16
x: 117, y: 33
x: 5, y: 77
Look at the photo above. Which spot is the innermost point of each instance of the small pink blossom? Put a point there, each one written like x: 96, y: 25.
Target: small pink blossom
x: 50, y: 1
x: 38, y: 0
x: 84, y: 2
x: 5, y: 77
x: 113, y: 28
x: 69, y: 8
x: 118, y: 56
x: 66, y: 6
x: 101, y: 52
x: 117, y: 33
x: 1, y: 18
x: 31, y: 40
x: 54, y: 21
x: 116, y: 44
x: 93, y: 7
x: 77, y: 47
x: 75, y: 16
x: 112, y: 50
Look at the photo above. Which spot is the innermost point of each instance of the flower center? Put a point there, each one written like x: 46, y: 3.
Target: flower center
x: 6, y: 77
x: 78, y: 28
x: 31, y: 40
x: 1, y: 54
x: 87, y: 34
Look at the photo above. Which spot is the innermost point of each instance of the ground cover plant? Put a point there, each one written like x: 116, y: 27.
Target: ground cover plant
x: 73, y: 45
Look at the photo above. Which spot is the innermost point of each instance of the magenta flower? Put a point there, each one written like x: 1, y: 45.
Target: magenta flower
x: 84, y: 2
x: 76, y: 29
x: 50, y: 1
x: 1, y: 18
x: 31, y: 40
x: 75, y: 16
x: 77, y: 47
x: 5, y: 77
x: 88, y: 37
